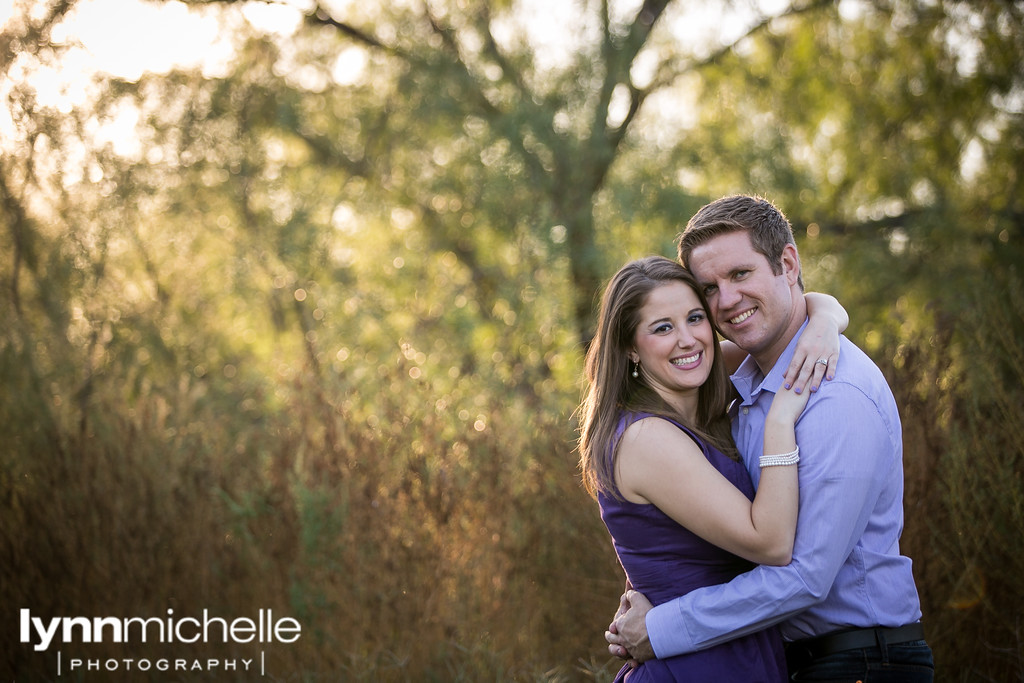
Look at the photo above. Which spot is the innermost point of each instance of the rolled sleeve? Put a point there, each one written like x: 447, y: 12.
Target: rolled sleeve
x: 666, y: 628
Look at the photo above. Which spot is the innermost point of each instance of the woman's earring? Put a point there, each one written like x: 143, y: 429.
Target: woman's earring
x: 636, y: 368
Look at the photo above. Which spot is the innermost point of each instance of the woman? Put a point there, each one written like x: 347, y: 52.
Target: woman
x: 657, y: 453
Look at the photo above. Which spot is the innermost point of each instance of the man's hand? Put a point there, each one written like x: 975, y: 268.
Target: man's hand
x: 627, y: 634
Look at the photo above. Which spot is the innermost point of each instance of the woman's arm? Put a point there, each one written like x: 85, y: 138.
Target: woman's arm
x: 658, y: 463
x: 827, y: 319
x: 779, y: 473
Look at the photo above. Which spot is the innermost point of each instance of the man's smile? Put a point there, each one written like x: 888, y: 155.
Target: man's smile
x: 742, y: 316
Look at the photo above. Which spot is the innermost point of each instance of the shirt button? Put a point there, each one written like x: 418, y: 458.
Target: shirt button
x: 746, y: 410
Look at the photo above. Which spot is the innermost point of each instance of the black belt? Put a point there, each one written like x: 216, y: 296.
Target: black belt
x: 829, y: 644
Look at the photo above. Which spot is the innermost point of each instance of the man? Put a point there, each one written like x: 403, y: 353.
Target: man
x: 847, y: 603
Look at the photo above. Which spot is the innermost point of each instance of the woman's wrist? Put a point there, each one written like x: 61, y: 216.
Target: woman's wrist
x: 779, y: 420
x: 780, y: 459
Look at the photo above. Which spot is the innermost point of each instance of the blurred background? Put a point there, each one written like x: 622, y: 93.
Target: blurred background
x: 295, y: 298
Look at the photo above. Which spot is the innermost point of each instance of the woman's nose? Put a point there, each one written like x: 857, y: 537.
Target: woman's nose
x: 684, y: 338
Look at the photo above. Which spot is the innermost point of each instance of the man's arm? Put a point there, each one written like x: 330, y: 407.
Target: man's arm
x: 841, y: 478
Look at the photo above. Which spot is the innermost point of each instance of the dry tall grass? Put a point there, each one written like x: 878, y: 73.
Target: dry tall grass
x: 403, y: 554
x: 961, y: 392
x: 411, y: 545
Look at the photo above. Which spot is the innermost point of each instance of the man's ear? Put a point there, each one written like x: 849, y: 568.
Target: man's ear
x: 791, y: 264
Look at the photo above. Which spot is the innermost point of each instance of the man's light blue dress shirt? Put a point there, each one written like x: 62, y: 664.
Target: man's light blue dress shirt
x: 847, y: 570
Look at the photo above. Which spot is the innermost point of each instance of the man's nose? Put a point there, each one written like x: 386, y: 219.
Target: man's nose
x: 728, y: 296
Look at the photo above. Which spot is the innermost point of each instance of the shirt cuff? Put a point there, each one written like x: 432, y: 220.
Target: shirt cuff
x: 666, y: 629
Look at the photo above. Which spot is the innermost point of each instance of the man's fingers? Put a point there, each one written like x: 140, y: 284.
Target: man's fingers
x: 614, y: 645
x: 637, y: 598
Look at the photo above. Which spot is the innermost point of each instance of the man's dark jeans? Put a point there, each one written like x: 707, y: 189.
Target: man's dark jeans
x: 902, y: 663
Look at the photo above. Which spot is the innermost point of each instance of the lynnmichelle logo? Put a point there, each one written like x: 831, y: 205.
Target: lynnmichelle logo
x: 55, y: 632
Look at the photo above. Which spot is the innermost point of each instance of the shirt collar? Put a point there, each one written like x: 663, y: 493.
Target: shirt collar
x: 748, y: 379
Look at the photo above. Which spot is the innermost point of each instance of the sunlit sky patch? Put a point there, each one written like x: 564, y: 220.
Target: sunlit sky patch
x: 127, y: 38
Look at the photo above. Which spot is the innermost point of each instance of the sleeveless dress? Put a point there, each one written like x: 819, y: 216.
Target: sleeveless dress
x: 664, y: 560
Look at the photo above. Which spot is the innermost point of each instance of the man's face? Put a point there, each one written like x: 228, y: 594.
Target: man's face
x: 751, y: 305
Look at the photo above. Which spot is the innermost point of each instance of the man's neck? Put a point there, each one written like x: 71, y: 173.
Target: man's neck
x: 767, y: 359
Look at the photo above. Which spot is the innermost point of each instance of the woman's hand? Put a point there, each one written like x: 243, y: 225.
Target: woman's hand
x: 814, y: 359
x: 817, y: 352
x: 786, y: 407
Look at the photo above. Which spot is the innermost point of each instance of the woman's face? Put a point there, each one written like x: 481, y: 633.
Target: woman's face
x: 674, y: 342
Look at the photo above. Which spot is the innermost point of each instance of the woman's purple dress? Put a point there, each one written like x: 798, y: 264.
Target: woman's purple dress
x: 664, y: 560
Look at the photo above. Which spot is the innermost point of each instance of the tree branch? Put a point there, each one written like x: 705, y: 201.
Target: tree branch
x: 491, y: 49
x: 525, y: 100
x: 874, y: 225
x: 618, y: 61
x: 321, y: 17
x: 667, y: 76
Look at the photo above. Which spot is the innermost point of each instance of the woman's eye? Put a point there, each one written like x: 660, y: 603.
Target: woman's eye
x: 696, y: 318
x: 662, y: 328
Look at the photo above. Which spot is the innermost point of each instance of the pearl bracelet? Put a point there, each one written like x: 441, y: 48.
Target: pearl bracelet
x: 791, y: 458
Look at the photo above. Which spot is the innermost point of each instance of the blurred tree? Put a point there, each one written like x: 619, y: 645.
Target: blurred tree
x: 883, y: 129
x: 456, y: 116
x: 462, y: 118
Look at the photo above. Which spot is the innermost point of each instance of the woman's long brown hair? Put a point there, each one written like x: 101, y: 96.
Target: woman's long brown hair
x: 611, y: 388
